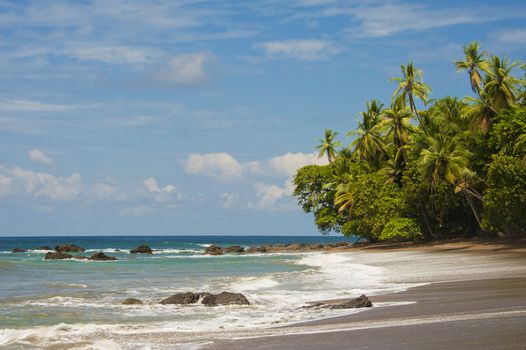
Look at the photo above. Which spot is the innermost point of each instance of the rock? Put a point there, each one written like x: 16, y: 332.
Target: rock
x: 361, y: 301
x: 142, y: 249
x: 341, y: 244
x: 18, y: 250
x: 69, y: 248
x: 45, y: 247
x: 132, y: 301
x: 102, y: 256
x: 234, y: 249
x: 225, y: 298
x: 183, y: 298
x: 252, y: 249
x: 57, y: 256
x: 293, y: 247
x: 262, y: 249
x: 214, y: 250
x: 316, y: 246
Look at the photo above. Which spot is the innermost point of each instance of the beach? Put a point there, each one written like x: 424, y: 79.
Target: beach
x: 461, y: 294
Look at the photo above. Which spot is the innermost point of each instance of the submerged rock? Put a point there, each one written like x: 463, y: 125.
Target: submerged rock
x: 57, y: 256
x: 214, y: 250
x: 44, y: 247
x: 102, y: 256
x: 225, y: 298
x: 142, y: 249
x: 18, y: 250
x: 234, y: 249
x: 132, y: 301
x: 69, y: 248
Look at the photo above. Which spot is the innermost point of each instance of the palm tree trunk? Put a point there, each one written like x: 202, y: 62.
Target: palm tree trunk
x: 473, y: 209
x: 424, y: 216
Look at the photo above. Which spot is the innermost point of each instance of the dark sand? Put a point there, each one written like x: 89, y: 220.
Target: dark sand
x: 481, y: 306
x: 478, y: 314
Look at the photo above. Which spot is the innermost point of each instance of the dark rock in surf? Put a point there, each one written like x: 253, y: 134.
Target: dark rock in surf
x: 213, y: 250
x: 102, y: 257
x: 361, y: 301
x: 18, y: 250
x: 142, y: 249
x: 262, y: 249
x: 234, y: 249
x: 57, y: 256
x: 132, y: 301
x: 69, y: 248
x: 183, y: 298
x: 225, y: 298
x: 45, y: 247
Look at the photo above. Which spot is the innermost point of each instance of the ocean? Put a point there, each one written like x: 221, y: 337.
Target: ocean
x: 59, y: 301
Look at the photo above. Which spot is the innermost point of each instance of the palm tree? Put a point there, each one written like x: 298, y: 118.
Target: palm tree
x: 502, y: 88
x: 396, y: 120
x: 410, y: 85
x: 328, y: 145
x: 344, y: 197
x: 446, y: 116
x: 446, y: 159
x: 474, y: 62
x: 369, y: 145
x: 479, y: 112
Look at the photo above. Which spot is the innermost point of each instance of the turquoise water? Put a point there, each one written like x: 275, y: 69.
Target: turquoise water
x: 39, y: 298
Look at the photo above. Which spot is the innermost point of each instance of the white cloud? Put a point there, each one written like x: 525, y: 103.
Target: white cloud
x: 302, y: 50
x: 219, y: 165
x: 163, y: 194
x: 228, y: 200
x: 104, y: 191
x: 185, y: 69
x: 38, y: 156
x: 289, y: 163
x: 515, y: 36
x: 33, y: 106
x: 111, y: 54
x: 19, y: 181
x: 270, y: 197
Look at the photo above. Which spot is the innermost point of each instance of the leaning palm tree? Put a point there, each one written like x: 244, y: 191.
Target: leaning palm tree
x: 473, y: 63
x: 369, y: 144
x: 501, y: 87
x: 411, y: 85
x: 446, y: 159
x: 396, y: 120
x: 328, y: 145
x: 479, y: 113
x: 344, y: 198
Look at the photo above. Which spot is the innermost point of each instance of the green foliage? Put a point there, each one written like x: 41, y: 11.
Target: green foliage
x: 505, y: 197
x: 401, y: 230
x: 459, y: 172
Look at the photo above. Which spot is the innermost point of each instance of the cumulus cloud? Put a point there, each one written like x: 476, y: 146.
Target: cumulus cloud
x: 186, y: 69
x: 301, y: 50
x: 38, y: 156
x: 218, y: 165
x: 269, y: 195
x: 152, y: 186
x: 19, y: 181
x: 103, y: 190
x: 289, y: 163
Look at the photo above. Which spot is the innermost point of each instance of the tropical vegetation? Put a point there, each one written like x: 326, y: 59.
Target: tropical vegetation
x: 453, y: 167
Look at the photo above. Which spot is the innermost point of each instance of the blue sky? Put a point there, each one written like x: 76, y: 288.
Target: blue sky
x: 190, y: 117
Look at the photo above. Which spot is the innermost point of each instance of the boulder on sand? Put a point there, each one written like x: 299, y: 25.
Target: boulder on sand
x: 69, y: 248
x: 361, y: 301
x: 142, y: 249
x: 225, y: 298
x: 18, y: 250
x: 102, y: 257
x: 213, y: 250
x: 132, y: 301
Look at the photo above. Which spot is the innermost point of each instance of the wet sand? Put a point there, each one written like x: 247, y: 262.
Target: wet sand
x: 476, y: 310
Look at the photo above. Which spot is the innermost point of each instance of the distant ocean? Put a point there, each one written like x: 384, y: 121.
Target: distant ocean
x: 57, y: 301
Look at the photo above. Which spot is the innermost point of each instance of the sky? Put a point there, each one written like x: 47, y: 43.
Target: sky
x: 191, y: 117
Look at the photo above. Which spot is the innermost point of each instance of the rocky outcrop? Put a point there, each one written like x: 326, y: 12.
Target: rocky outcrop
x: 261, y: 249
x: 132, y: 301
x: 213, y: 250
x: 44, y: 247
x: 252, y: 249
x: 69, y: 248
x: 225, y: 298
x: 18, y: 250
x: 207, y: 299
x: 102, y: 257
x: 57, y: 256
x: 142, y: 249
x: 234, y: 249
x: 361, y: 301
x: 182, y: 298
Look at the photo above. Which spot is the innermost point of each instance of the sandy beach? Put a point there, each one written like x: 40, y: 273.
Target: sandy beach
x: 475, y: 311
